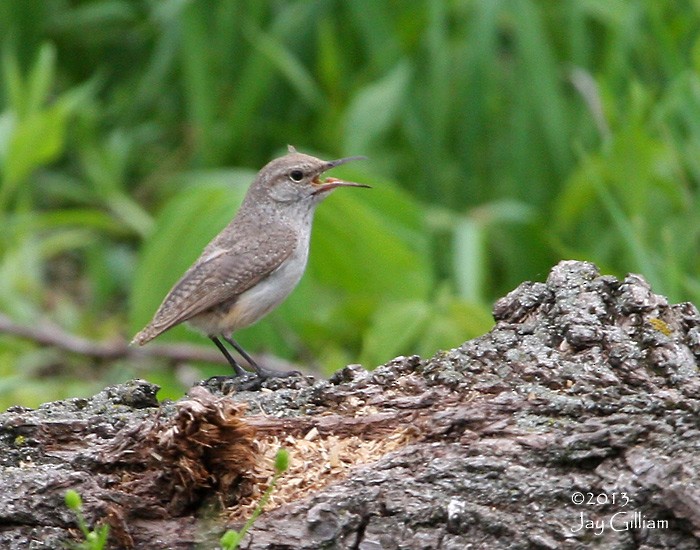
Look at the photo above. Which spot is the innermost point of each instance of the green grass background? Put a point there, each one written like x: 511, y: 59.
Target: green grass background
x: 503, y: 136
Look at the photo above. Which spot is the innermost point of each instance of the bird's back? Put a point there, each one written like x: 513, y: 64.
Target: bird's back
x: 230, y: 265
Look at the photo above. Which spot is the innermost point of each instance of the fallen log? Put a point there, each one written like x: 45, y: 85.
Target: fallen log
x: 574, y: 423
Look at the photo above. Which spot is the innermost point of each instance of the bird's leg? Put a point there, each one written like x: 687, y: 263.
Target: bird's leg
x: 240, y: 371
x: 260, y: 371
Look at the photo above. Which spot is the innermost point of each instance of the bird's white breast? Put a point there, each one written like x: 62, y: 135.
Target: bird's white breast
x: 262, y: 298
x: 256, y: 302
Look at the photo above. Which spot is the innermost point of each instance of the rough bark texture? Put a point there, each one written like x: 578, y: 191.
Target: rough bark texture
x: 586, y: 389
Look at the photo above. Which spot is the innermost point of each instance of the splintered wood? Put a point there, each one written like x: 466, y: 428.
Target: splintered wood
x: 361, y: 424
x: 315, y: 461
x: 167, y: 461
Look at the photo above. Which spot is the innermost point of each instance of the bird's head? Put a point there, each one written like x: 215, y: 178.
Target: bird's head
x: 297, y: 177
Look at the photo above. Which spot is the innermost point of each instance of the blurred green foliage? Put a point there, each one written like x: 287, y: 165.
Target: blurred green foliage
x: 503, y: 135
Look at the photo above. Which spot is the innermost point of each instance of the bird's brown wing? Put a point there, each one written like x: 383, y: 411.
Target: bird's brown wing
x: 219, y: 276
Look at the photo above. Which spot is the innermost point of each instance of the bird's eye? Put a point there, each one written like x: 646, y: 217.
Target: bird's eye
x: 296, y: 175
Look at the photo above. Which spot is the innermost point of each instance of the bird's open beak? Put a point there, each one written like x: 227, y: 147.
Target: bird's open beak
x: 332, y: 183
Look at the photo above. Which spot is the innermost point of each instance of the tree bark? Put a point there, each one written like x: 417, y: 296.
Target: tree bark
x: 574, y: 423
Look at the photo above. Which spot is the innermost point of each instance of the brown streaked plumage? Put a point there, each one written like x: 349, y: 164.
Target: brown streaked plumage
x: 256, y: 261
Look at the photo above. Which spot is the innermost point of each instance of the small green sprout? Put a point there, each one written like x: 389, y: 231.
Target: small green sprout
x: 232, y: 538
x: 94, y: 540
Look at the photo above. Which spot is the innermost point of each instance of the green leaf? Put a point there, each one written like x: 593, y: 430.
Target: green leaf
x: 372, y: 243
x: 284, y: 60
x: 452, y: 322
x: 281, y: 461
x: 230, y: 540
x: 394, y: 330
x: 41, y: 78
x: 199, y: 78
x: 330, y: 59
x: 375, y: 109
x: 13, y: 81
x: 469, y: 261
x: 73, y: 500
x: 37, y: 140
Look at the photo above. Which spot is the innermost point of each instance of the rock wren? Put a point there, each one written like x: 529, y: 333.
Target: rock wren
x: 256, y: 261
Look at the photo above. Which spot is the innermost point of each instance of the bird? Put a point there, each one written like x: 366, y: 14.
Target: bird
x: 255, y: 262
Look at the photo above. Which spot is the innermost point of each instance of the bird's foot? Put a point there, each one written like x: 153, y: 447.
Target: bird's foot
x: 247, y: 381
x: 253, y: 381
x: 262, y: 372
x: 265, y: 374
